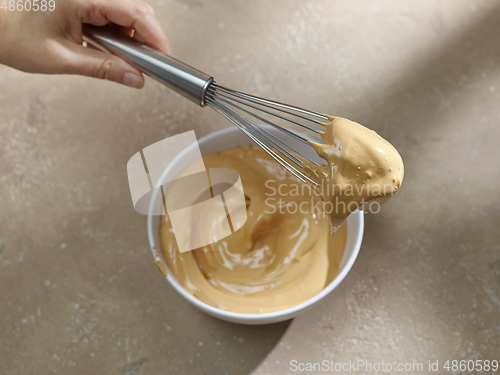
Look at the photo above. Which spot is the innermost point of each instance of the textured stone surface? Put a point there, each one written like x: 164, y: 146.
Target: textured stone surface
x: 79, y: 291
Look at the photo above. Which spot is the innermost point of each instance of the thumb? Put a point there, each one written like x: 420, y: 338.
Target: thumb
x: 95, y: 63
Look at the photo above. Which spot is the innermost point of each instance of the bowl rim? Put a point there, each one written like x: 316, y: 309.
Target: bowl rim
x: 229, y: 315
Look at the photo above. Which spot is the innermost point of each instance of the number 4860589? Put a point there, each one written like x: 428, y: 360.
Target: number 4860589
x: 471, y: 365
x: 28, y: 5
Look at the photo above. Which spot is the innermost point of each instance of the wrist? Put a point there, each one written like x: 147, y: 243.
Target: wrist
x: 9, y: 22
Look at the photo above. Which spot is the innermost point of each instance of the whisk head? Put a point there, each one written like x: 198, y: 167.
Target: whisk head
x: 252, y: 113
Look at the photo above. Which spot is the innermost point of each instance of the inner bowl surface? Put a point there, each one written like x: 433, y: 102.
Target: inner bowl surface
x: 219, y: 141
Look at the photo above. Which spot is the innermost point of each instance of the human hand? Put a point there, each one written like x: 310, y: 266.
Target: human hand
x: 51, y: 42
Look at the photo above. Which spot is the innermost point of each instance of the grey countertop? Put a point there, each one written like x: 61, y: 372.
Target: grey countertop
x: 79, y: 292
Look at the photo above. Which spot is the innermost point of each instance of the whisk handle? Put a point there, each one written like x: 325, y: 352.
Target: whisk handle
x: 173, y: 73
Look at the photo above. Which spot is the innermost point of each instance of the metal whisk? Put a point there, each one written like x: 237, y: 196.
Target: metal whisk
x: 249, y: 113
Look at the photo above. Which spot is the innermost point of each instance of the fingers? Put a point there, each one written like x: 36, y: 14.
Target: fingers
x: 131, y: 14
x: 94, y: 63
x: 126, y: 30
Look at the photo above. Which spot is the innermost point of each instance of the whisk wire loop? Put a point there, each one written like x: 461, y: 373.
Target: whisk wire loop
x: 239, y: 123
x: 233, y: 105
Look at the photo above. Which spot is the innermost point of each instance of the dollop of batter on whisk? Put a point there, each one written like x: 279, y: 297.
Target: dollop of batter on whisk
x: 362, y: 169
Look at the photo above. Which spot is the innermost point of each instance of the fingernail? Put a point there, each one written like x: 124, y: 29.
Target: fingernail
x: 133, y: 80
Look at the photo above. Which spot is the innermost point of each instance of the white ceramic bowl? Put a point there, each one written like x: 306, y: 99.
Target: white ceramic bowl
x: 226, y: 139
